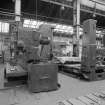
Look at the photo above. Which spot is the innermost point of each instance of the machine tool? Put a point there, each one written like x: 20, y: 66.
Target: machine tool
x: 43, y: 74
x: 92, y: 61
x: 14, y: 73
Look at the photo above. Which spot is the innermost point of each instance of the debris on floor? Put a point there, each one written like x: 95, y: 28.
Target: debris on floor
x: 95, y: 98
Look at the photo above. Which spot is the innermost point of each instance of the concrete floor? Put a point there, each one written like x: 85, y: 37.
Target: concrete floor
x: 70, y: 88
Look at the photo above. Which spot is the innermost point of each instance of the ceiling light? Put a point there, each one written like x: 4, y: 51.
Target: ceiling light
x: 62, y: 7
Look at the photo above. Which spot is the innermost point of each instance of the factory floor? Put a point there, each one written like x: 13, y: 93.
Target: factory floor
x: 70, y: 87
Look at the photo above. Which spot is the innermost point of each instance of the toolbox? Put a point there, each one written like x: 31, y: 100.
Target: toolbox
x: 42, y: 77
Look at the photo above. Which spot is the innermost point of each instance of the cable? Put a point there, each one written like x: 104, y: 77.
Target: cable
x: 2, y: 12
x: 9, y: 10
x: 36, y: 9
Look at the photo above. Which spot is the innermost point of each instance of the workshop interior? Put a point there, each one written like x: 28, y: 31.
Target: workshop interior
x: 53, y: 52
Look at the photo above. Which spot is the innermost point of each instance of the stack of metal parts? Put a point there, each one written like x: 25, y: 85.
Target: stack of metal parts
x: 91, y: 67
x: 70, y: 65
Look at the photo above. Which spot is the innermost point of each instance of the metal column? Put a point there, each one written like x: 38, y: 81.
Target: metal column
x: 17, y: 10
x: 14, y: 26
x: 76, y: 23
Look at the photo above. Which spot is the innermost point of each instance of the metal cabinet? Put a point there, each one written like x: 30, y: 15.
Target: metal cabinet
x: 42, y: 77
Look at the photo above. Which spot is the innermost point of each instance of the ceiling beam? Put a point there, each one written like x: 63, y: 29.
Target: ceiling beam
x: 87, y: 9
x: 102, y: 3
x: 57, y: 3
x: 70, y: 6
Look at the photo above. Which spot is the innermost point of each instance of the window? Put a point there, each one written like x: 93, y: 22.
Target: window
x: 32, y: 23
x: 4, y: 27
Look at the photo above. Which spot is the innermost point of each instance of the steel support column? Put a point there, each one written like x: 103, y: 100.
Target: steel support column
x: 76, y: 24
x: 17, y: 10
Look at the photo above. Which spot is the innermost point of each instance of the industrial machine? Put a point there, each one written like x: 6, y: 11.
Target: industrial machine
x: 14, y: 73
x: 43, y: 74
x: 31, y: 50
x: 92, y: 61
x: 42, y: 77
